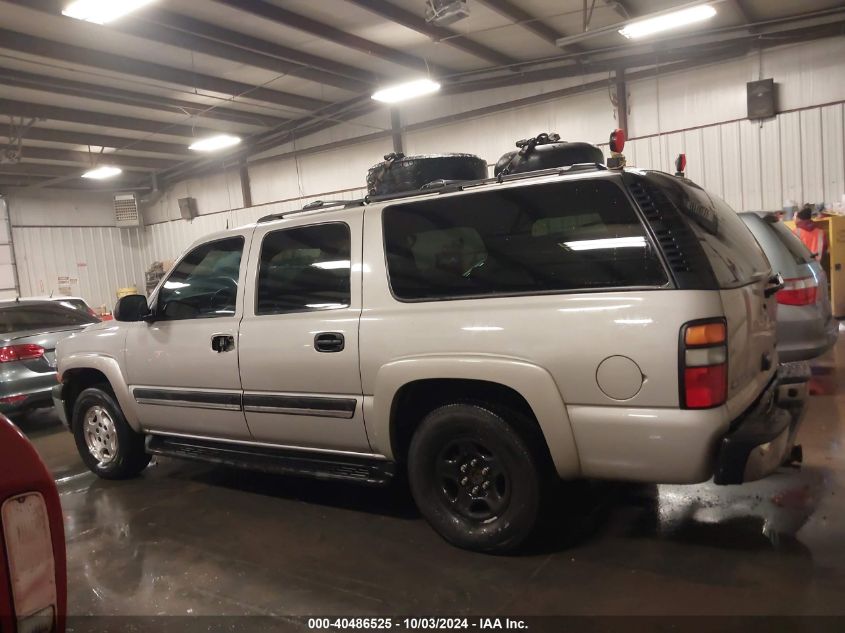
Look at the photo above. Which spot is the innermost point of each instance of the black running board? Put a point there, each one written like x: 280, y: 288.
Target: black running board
x: 331, y: 466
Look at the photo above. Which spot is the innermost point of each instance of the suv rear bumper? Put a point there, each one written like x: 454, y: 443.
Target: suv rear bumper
x: 762, y: 439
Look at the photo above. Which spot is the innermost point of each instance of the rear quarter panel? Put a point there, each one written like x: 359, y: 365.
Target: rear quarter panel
x: 566, y: 336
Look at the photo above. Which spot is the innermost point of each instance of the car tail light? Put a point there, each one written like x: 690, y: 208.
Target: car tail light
x: 32, y: 569
x: 704, y: 364
x: 13, y: 399
x: 28, y: 351
x: 802, y: 291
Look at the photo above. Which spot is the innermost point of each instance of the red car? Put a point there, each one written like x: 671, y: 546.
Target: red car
x: 33, y: 581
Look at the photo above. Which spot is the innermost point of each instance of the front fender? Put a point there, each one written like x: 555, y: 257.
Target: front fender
x: 532, y: 382
x: 110, y: 368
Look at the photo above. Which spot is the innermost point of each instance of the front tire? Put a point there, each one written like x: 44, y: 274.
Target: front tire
x: 104, y: 439
x: 475, y: 478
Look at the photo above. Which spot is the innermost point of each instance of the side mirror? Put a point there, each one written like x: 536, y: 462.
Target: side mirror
x: 131, y: 308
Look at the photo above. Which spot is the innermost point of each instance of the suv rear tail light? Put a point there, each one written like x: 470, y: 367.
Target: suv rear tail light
x: 703, y: 364
x: 802, y: 291
x: 27, y: 351
x: 32, y: 569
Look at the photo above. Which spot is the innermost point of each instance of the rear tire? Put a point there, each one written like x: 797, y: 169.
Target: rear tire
x: 104, y: 439
x: 475, y: 478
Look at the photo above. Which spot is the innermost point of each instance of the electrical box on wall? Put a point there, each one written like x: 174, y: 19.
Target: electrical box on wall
x: 761, y: 99
x: 126, y: 212
x: 188, y: 208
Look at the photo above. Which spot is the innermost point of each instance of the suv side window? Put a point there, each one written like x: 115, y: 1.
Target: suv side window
x: 524, y: 240
x: 304, y: 268
x: 204, y: 284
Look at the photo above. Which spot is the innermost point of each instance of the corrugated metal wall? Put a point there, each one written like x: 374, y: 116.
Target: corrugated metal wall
x: 798, y: 156
x: 93, y: 262
x: 8, y: 287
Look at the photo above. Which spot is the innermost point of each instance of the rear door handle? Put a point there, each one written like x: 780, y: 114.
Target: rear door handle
x: 222, y: 343
x: 329, y: 342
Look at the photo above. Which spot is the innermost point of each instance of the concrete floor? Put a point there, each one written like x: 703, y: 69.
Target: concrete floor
x: 190, y: 539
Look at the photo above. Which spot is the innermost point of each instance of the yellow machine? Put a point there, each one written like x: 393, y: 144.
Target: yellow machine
x: 834, y: 264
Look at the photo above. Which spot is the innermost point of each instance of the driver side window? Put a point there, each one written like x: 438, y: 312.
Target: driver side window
x: 204, y: 284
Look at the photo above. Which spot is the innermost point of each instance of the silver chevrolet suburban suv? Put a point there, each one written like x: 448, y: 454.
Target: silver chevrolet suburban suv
x: 482, y: 338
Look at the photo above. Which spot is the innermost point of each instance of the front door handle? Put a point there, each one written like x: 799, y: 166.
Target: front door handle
x: 222, y: 343
x: 329, y: 342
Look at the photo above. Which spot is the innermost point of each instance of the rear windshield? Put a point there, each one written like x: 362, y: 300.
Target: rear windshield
x: 76, y: 304
x: 800, y: 253
x: 734, y: 254
x: 533, y: 239
x: 42, y: 317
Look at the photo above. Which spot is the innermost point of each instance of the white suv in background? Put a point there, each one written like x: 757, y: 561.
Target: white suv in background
x: 483, y: 337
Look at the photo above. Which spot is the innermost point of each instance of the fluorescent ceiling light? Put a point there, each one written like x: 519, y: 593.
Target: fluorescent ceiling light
x: 101, y: 173
x: 102, y: 11
x: 668, y: 21
x: 214, y: 143
x: 611, y: 242
x: 409, y: 90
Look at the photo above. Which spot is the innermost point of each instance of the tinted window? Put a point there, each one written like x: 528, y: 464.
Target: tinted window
x: 534, y: 239
x: 204, y: 284
x: 735, y: 256
x: 38, y: 317
x: 306, y: 268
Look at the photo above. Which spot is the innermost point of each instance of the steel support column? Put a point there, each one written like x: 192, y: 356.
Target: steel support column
x: 396, y: 130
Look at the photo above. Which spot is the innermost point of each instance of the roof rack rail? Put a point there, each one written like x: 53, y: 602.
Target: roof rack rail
x: 451, y: 186
x: 435, y: 187
x: 313, y: 206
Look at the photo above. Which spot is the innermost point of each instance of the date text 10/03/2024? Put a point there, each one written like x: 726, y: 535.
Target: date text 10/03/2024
x: 412, y: 624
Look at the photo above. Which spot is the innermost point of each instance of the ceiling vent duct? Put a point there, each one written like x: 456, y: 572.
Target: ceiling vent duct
x: 127, y: 215
x: 445, y: 12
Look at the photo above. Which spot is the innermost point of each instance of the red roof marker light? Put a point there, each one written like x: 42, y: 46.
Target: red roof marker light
x: 617, y: 141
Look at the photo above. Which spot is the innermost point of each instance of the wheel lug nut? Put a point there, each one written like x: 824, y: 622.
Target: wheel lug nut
x: 463, y: 468
x: 475, y: 490
x: 474, y: 462
x: 464, y: 481
x: 485, y: 485
x: 485, y: 470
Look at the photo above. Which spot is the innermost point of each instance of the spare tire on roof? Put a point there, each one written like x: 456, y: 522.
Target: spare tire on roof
x: 398, y: 173
x: 545, y: 151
